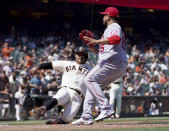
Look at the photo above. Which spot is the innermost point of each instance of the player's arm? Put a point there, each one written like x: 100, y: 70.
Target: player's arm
x: 112, y: 40
x: 57, y: 65
x: 47, y: 65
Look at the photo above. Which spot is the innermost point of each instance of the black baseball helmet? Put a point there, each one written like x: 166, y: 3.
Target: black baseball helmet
x: 84, y: 51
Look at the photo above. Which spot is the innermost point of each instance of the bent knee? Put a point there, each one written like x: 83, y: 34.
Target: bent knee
x: 90, y: 78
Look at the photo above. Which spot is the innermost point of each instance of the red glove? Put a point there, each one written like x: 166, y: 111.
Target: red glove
x: 88, y: 34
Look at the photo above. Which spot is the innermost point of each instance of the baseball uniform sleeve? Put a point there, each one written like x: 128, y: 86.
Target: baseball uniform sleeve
x: 58, y: 65
x: 114, y: 30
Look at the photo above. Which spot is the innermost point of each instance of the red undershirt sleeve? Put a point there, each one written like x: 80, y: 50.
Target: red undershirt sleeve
x: 115, y: 39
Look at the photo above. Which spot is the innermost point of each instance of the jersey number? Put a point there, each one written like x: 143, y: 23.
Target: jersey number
x: 101, y: 48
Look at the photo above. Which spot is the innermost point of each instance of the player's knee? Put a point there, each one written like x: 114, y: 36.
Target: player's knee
x: 89, y: 79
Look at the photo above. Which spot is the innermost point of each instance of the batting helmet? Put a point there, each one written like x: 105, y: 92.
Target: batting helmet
x: 84, y: 51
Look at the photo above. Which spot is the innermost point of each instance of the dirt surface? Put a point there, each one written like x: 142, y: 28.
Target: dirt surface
x: 100, y: 125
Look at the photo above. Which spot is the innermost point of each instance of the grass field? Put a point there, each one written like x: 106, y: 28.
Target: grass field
x: 123, y: 124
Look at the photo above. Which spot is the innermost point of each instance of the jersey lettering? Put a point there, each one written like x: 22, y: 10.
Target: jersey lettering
x: 73, y: 67
x: 68, y: 68
x: 83, y: 70
x: 80, y: 70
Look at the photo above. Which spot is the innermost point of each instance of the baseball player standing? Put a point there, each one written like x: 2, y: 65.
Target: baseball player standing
x: 73, y: 87
x: 112, y: 64
x: 20, y: 97
x: 115, y: 95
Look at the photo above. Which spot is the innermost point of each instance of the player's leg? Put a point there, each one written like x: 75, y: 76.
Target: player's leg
x: 61, y: 98
x: 88, y: 106
x: 18, y: 112
x: 98, y: 76
x: 119, y: 100
x: 112, y: 96
x: 70, y: 109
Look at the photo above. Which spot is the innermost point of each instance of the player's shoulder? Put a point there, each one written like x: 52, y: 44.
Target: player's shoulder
x: 70, y: 63
x: 61, y: 61
x: 87, y: 66
x: 115, y: 25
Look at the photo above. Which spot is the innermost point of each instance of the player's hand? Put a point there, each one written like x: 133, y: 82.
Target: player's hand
x: 88, y: 34
x: 90, y: 41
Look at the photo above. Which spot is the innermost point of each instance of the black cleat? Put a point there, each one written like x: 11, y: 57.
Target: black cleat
x: 55, y: 121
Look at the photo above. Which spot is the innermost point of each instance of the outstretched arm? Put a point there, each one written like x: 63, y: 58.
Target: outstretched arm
x: 47, y: 65
x: 112, y: 40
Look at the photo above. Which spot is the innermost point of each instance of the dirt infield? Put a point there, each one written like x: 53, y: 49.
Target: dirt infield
x: 100, y: 125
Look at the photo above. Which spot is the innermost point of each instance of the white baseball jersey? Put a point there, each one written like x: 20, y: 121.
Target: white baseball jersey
x: 73, y: 74
x: 21, y: 97
x: 116, y: 52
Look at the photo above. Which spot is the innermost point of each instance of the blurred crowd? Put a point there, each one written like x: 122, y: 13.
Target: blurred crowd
x: 148, y: 65
x: 147, y: 73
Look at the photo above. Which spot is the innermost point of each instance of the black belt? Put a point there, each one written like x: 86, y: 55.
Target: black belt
x: 77, y: 91
x: 116, y: 82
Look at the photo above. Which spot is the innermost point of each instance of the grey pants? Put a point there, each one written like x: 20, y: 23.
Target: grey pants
x: 97, y: 79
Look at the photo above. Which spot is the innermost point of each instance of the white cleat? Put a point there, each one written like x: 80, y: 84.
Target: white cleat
x: 117, y: 116
x: 114, y: 116
x: 81, y: 121
x: 103, y: 115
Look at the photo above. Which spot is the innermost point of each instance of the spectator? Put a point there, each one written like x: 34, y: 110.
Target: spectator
x: 29, y: 60
x: 35, y: 84
x: 6, y: 51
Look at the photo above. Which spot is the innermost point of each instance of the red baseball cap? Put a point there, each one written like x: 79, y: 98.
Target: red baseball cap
x: 112, y: 11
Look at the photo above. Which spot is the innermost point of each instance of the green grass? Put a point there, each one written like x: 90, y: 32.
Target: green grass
x: 142, y: 120
x: 138, y: 119
x: 28, y: 122
x: 132, y: 129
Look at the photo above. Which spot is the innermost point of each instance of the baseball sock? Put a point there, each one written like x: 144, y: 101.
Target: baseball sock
x: 51, y: 103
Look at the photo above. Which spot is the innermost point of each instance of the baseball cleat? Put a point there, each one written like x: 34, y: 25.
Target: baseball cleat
x: 40, y: 112
x: 103, y: 115
x: 117, y: 116
x: 51, y: 121
x: 55, y: 121
x: 112, y: 117
x: 81, y: 121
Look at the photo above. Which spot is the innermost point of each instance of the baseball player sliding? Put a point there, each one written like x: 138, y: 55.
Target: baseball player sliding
x: 73, y: 88
x: 112, y: 64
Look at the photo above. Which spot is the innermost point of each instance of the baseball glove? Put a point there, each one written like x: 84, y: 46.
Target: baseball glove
x: 88, y: 34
